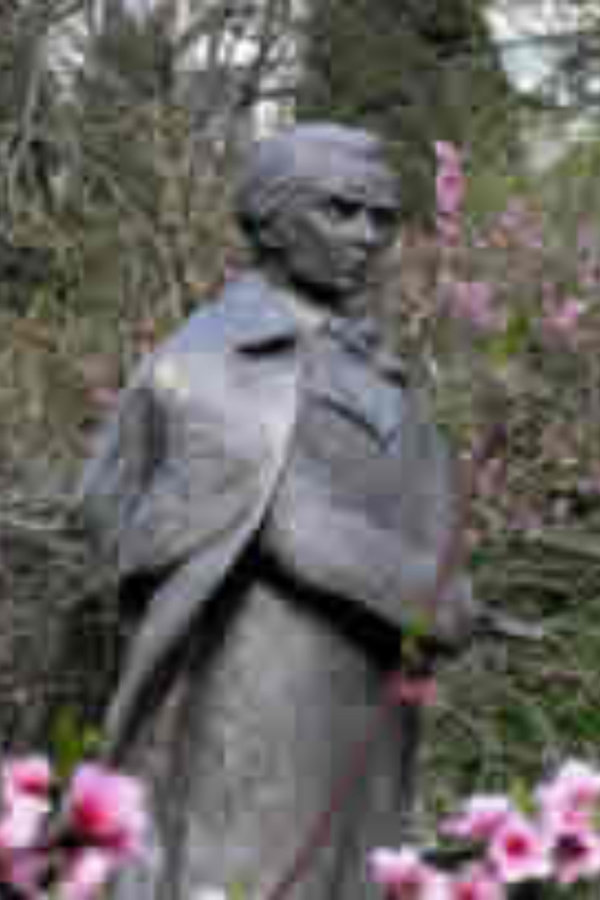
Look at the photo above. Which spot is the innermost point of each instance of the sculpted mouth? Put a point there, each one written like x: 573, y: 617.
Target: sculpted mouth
x: 354, y: 264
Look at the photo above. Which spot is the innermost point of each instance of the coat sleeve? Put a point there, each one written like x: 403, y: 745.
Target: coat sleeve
x: 177, y: 493
x: 123, y: 465
x: 432, y: 514
x: 166, y: 482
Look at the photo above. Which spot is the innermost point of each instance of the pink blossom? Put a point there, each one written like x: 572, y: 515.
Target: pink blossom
x: 473, y: 301
x: 568, y: 315
x: 476, y: 883
x: 405, y: 876
x: 514, y: 215
x: 448, y: 154
x: 25, y: 871
x: 522, y: 223
x: 568, y: 800
x: 25, y: 787
x: 22, y: 825
x: 87, y: 872
x: 518, y: 851
x: 577, y: 781
x: 480, y: 817
x: 576, y: 854
x: 563, y: 320
x: 416, y: 691
x: 107, y: 809
x: 450, y: 190
x: 448, y: 230
x: 30, y: 775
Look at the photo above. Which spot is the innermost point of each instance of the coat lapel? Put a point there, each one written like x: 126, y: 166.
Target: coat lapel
x: 346, y: 378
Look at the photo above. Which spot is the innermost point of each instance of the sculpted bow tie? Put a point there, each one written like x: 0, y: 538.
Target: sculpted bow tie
x: 362, y: 336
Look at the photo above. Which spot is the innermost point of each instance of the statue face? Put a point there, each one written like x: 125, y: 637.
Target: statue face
x: 332, y: 232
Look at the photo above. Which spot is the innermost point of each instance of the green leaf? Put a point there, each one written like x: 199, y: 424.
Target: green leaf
x: 520, y: 794
x: 71, y: 740
x: 586, y: 724
x: 412, y: 639
x: 512, y: 341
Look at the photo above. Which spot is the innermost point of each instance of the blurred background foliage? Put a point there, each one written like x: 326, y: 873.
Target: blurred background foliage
x: 121, y: 127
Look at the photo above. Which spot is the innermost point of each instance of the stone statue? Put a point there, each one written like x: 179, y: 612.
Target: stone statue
x: 268, y: 488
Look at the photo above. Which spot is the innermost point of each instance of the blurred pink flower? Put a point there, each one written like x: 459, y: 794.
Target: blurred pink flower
x: 416, y: 691
x: 569, y: 799
x: 480, y: 817
x: 25, y: 871
x: 448, y: 230
x: 22, y: 824
x: 108, y: 809
x: 562, y: 321
x: 405, y: 876
x: 476, y: 883
x: 515, y: 214
x: 576, y: 855
x: 518, y: 851
x: 473, y: 301
x: 25, y: 787
x: 522, y: 223
x: 31, y: 775
x: 448, y: 154
x: 450, y: 189
x: 87, y: 873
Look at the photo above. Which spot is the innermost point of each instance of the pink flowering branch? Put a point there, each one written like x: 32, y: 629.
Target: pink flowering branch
x: 74, y: 845
x: 450, y: 188
x: 555, y: 841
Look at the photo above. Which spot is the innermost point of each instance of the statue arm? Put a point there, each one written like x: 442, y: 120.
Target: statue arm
x: 389, y: 570
x: 194, y: 507
x: 115, y: 478
x: 381, y: 570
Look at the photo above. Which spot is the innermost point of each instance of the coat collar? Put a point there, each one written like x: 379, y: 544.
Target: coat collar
x: 262, y: 314
x: 260, y: 317
x: 258, y: 314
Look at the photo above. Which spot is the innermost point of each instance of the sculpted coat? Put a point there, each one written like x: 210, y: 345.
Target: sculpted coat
x: 279, y: 608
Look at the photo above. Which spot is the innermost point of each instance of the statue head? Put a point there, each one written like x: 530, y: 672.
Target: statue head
x: 319, y: 204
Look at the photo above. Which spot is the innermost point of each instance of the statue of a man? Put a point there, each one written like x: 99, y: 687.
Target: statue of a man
x: 268, y: 484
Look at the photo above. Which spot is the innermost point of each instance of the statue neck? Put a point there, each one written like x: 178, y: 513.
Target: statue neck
x: 310, y: 312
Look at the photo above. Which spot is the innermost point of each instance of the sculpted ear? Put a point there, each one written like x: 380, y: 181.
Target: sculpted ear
x: 271, y: 233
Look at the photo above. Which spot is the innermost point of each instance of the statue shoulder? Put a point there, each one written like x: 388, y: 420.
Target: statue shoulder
x: 206, y: 330
x: 198, y: 345
x: 248, y: 317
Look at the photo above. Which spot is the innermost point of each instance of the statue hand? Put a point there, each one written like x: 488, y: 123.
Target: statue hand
x: 456, y: 617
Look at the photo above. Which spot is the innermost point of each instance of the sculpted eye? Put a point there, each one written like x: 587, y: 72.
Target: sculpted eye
x: 342, y: 207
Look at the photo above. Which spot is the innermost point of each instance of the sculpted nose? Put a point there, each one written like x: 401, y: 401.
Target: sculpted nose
x: 367, y: 233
